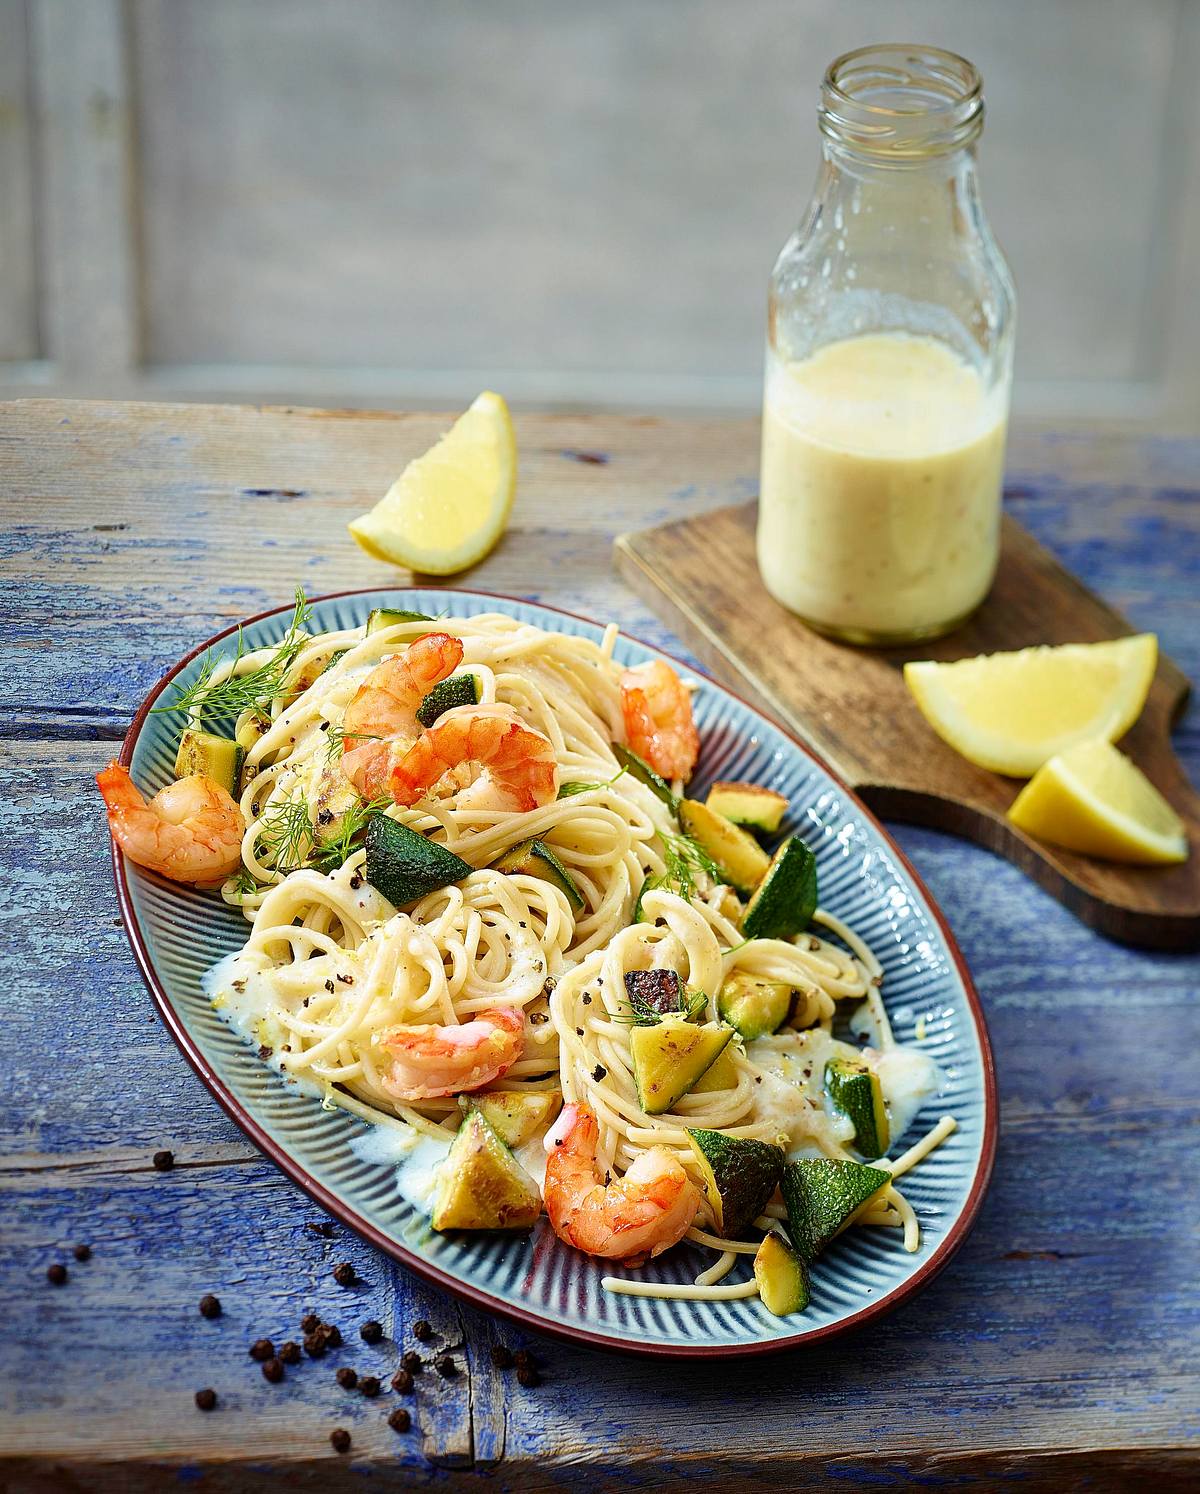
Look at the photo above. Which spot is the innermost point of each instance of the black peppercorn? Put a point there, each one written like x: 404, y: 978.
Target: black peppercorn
x: 290, y: 1352
x: 346, y: 1377
x: 411, y: 1361
x: 423, y: 1329
x: 163, y: 1160
x: 210, y: 1306
x: 332, y: 1335
x: 56, y: 1274
x: 502, y: 1356
x: 369, y: 1385
x: 371, y: 1331
x: 399, y: 1420
x: 82, y: 1252
x: 206, y: 1399
x: 344, y: 1274
x: 262, y: 1349
x: 523, y: 1359
x: 340, y: 1439
x: 402, y: 1381
x: 445, y: 1366
x: 529, y: 1377
x: 314, y: 1345
x: 273, y: 1370
x: 309, y: 1323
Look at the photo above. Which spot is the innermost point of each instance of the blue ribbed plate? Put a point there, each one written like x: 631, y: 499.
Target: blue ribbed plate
x: 177, y: 933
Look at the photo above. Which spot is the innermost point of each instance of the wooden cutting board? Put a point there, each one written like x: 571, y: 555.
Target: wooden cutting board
x: 850, y: 705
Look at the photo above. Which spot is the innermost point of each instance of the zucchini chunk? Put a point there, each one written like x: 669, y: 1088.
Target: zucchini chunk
x: 481, y: 1185
x: 669, y: 1057
x: 739, y: 1175
x: 655, y: 993
x: 387, y: 617
x: 218, y: 758
x: 855, y: 1091
x: 638, y: 768
x: 754, y: 1006
x: 821, y: 1196
x: 515, y: 1118
x: 535, y: 859
x: 458, y: 690
x: 786, y: 899
x: 748, y: 804
x: 405, y: 866
x: 740, y: 859
x: 722, y: 1075
x: 782, y: 1277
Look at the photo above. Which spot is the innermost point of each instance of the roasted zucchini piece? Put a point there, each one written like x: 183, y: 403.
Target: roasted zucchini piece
x: 822, y: 1196
x: 786, y: 899
x: 515, y: 1118
x: 535, y: 859
x: 855, y: 1091
x: 655, y: 993
x: 740, y: 859
x: 782, y: 1277
x: 406, y: 866
x: 458, y: 690
x: 755, y: 1006
x: 387, y: 617
x: 218, y: 758
x: 481, y: 1185
x: 670, y: 1056
x: 638, y: 768
x: 748, y: 804
x: 740, y: 1175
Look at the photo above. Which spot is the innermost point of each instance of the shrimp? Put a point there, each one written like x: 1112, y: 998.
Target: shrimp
x: 385, y: 707
x: 641, y: 1214
x: 518, y: 762
x: 658, y: 719
x: 191, y: 831
x: 430, y: 1060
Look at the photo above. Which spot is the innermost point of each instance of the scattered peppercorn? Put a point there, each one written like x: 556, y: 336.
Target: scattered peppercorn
x: 309, y: 1323
x: 445, y: 1366
x: 210, y: 1306
x: 340, y: 1439
x: 599, y: 1072
x: 344, y: 1274
x: 529, y: 1378
x: 402, y: 1381
x: 273, y: 1370
x: 290, y: 1352
x: 423, y: 1329
x: 314, y: 1345
x: 411, y: 1361
x: 371, y: 1331
x: 262, y: 1349
x: 332, y: 1334
x: 56, y: 1274
x: 164, y: 1160
x: 400, y: 1420
x: 322, y: 1227
x: 502, y: 1356
x: 346, y: 1377
x: 82, y: 1252
x: 523, y: 1359
x: 369, y: 1385
x: 206, y: 1399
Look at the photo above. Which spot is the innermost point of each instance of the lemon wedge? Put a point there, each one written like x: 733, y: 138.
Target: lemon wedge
x: 1091, y: 798
x: 449, y: 507
x: 1013, y: 712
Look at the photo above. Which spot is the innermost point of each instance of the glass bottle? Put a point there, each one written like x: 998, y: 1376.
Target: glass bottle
x: 889, y: 362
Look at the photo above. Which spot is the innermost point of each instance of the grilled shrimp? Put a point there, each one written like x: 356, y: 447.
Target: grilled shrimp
x: 641, y: 1214
x: 658, y: 719
x: 191, y: 831
x: 383, y: 714
x: 431, y: 1060
x: 518, y: 763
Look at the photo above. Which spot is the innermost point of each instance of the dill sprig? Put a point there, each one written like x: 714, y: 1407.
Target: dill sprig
x: 327, y: 855
x: 245, y: 883
x: 685, y: 860
x: 285, y: 834
x: 694, y: 1002
x: 255, y: 688
x: 335, y: 740
x: 569, y: 790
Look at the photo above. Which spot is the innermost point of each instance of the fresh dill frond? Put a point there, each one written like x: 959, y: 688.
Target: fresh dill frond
x: 327, y: 855
x: 245, y: 883
x: 694, y: 1002
x: 255, y: 688
x: 569, y: 790
x: 285, y: 834
x: 685, y: 862
x: 335, y: 740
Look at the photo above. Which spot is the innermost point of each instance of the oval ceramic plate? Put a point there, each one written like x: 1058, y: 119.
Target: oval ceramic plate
x: 178, y: 932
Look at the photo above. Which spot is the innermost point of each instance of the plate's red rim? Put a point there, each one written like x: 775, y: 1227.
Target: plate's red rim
x: 477, y: 1296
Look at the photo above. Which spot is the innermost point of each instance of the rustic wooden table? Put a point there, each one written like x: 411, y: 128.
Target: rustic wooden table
x: 1060, y: 1349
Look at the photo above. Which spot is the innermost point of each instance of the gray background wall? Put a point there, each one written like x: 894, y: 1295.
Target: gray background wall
x: 397, y: 201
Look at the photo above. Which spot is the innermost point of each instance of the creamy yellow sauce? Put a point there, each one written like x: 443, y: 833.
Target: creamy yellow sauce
x: 882, y: 462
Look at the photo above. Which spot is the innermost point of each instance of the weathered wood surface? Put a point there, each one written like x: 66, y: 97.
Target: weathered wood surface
x: 1059, y: 1350
x: 852, y: 707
